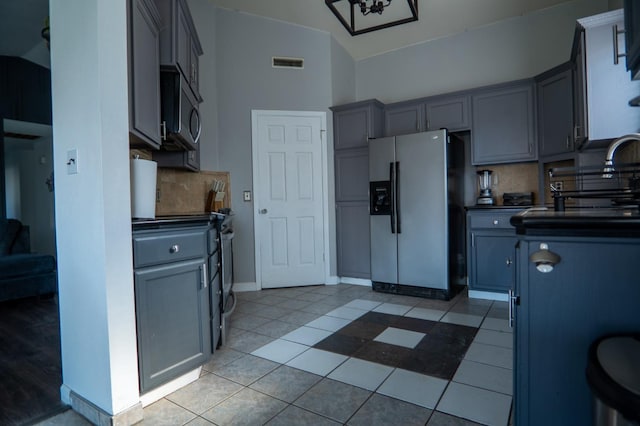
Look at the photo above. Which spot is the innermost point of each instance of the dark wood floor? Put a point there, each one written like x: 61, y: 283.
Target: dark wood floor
x: 30, y: 367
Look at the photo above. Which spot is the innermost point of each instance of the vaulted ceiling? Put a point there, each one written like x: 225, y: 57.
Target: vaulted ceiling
x: 437, y: 18
x: 22, y: 20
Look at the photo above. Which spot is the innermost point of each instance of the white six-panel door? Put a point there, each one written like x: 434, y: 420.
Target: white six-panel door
x: 288, y: 187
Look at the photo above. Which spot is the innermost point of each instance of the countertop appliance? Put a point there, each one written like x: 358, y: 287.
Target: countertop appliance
x: 484, y: 182
x: 417, y: 214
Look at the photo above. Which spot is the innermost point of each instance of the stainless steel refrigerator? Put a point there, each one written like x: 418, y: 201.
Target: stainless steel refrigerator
x: 416, y: 211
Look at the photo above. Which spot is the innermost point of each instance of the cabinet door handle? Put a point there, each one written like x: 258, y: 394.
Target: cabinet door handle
x: 495, y: 222
x: 509, y: 262
x: 204, y: 275
x: 174, y: 249
x: 163, y: 130
x: 568, y: 142
x: 513, y: 301
x: 616, y: 48
x: 576, y: 133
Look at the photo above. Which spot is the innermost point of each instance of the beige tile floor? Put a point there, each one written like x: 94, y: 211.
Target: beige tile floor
x: 268, y: 373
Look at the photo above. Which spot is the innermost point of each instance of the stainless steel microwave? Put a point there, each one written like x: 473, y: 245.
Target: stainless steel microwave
x: 180, y: 116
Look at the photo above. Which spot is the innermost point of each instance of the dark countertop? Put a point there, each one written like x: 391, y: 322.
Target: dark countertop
x: 480, y: 207
x: 605, y: 222
x: 175, y: 220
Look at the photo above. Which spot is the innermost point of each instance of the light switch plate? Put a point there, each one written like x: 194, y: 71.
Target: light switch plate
x: 72, y: 161
x: 246, y: 195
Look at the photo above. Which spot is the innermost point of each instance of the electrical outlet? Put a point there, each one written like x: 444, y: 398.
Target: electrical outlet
x: 157, y: 195
x: 246, y: 195
x: 559, y: 185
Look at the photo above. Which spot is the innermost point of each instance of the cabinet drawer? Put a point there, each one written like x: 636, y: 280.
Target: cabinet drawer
x: 497, y: 221
x: 153, y: 248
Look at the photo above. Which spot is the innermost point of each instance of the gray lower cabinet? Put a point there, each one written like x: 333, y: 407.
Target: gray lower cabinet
x: 173, y: 316
x: 555, y: 111
x: 352, y: 174
x: 144, y: 74
x: 503, y: 126
x: 353, y: 239
x: 491, y: 242
x: 591, y: 292
x: 353, y: 125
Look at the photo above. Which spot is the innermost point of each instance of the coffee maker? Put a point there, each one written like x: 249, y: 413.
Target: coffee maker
x: 484, y: 182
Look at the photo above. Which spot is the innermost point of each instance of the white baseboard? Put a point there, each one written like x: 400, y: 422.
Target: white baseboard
x: 170, y: 387
x: 333, y: 280
x: 250, y: 286
x: 355, y: 281
x: 475, y: 294
x: 98, y: 416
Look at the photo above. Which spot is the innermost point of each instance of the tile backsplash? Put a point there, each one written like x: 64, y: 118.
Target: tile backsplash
x: 519, y: 177
x: 184, y: 192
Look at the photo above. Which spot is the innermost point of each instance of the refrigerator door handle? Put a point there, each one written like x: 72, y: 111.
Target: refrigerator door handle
x: 396, y: 196
x: 392, y: 216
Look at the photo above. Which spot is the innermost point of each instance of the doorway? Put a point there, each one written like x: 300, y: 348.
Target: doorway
x: 291, y: 203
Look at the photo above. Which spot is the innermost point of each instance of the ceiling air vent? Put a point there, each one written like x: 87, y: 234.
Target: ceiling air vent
x: 288, y: 62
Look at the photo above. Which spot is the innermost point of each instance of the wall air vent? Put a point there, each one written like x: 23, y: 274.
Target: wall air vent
x: 280, y: 62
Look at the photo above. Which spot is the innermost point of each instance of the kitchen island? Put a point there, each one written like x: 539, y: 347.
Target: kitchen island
x: 576, y: 280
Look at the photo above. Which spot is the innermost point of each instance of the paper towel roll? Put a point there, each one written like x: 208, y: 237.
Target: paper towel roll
x: 143, y: 188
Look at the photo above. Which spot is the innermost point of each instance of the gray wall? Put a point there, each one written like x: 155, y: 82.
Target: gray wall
x: 204, y: 13
x: 246, y: 81
x: 509, y: 50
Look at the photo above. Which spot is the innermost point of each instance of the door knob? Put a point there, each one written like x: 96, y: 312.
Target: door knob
x: 263, y: 211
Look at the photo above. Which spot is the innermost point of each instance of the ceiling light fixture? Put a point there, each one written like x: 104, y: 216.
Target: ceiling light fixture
x: 402, y: 12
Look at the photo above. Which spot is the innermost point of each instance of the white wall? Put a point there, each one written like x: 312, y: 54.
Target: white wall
x: 246, y: 81
x: 90, y: 113
x: 509, y: 50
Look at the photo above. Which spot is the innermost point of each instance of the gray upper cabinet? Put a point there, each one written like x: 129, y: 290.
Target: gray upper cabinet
x: 632, y: 37
x: 404, y: 118
x: 555, y: 111
x: 179, y: 43
x: 419, y: 115
x: 503, y: 126
x: 355, y: 123
x: 352, y: 175
x: 603, y: 86
x: 451, y: 113
x: 144, y: 74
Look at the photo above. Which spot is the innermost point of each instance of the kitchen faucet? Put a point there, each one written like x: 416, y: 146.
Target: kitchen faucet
x: 608, y: 162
